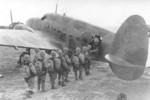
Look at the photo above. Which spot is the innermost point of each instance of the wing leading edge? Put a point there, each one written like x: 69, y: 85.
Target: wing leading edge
x: 24, y: 39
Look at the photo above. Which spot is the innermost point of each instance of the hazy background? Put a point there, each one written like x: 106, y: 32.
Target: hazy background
x: 108, y: 14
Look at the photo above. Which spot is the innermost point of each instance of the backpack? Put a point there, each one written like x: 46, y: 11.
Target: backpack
x: 81, y: 58
x: 75, y: 60
x: 33, y: 71
x: 50, y: 65
x: 57, y: 63
x: 63, y: 63
x: 38, y: 67
x: 25, y: 71
x: 68, y: 60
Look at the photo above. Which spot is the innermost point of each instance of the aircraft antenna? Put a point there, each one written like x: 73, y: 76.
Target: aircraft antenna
x: 56, y: 7
x: 11, y: 16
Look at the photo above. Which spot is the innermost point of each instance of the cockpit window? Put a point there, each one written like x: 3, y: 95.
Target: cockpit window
x: 63, y: 37
x: 44, y: 17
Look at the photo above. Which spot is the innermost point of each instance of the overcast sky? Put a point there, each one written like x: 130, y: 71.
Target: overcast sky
x: 108, y: 14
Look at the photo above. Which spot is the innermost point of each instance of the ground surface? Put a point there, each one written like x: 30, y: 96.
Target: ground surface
x: 102, y: 84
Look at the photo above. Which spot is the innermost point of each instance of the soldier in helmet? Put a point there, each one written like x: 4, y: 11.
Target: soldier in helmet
x: 62, y: 70
x: 68, y: 61
x: 87, y: 60
x: 21, y: 57
x: 96, y: 47
x: 43, y: 71
x: 52, y: 70
x: 77, y: 64
x: 28, y: 71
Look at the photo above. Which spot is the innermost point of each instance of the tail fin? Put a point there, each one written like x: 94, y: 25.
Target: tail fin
x: 129, y: 50
x: 56, y: 7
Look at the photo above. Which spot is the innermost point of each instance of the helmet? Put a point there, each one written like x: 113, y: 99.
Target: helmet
x: 84, y: 48
x: 37, y: 49
x: 42, y: 54
x: 65, y: 49
x: 59, y: 52
x: 89, y: 47
x: 53, y: 54
x: 78, y: 49
x: 26, y: 58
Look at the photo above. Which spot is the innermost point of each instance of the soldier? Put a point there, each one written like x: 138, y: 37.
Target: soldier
x: 76, y: 64
x: 87, y: 60
x: 28, y: 71
x: 96, y: 49
x: 62, y: 70
x: 20, y: 61
x: 68, y: 61
x: 52, y: 70
x: 43, y: 71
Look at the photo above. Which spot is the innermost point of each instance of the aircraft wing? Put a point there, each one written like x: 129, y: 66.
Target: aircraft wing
x: 24, y: 39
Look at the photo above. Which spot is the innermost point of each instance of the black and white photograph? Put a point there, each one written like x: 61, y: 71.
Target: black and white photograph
x: 75, y: 50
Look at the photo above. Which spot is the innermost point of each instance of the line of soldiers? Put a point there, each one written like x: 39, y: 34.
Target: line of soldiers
x: 57, y: 63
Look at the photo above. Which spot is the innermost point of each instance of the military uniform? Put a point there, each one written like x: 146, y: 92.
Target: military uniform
x: 87, y: 61
x: 28, y: 71
x: 52, y: 69
x: 62, y: 70
x: 68, y: 61
x: 21, y: 57
x: 42, y: 72
x: 77, y: 66
x: 96, y: 49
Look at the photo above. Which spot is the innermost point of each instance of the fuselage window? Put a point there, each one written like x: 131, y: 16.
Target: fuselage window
x: 63, y: 37
x: 44, y: 17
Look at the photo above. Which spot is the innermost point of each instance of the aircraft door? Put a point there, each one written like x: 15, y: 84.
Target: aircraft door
x: 86, y: 38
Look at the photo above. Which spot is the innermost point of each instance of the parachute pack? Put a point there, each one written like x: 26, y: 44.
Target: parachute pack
x: 25, y: 71
x: 28, y: 71
x: 38, y: 66
x: 63, y: 63
x: 68, y: 60
x: 50, y: 65
x: 81, y: 58
x: 57, y: 63
x: 75, y: 60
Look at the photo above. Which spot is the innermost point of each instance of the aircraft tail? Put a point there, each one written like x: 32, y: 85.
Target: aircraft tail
x: 129, y: 50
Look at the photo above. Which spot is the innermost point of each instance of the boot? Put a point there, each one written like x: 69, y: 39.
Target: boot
x: 38, y: 87
x: 76, y: 78
x: 59, y: 82
x: 43, y: 86
x: 53, y: 87
x: 63, y: 84
x: 66, y: 79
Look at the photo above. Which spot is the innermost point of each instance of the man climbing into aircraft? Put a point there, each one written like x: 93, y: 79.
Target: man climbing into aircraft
x: 96, y: 49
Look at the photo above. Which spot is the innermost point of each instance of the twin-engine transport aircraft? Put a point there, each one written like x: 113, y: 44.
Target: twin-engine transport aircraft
x: 126, y: 51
